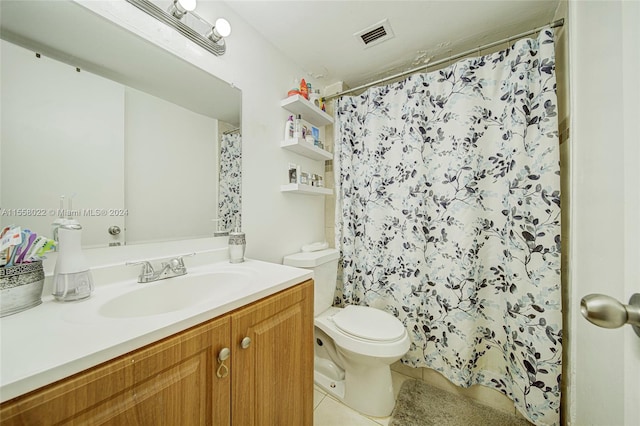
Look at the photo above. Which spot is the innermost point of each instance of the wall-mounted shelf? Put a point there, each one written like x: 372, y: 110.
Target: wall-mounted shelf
x: 302, y: 147
x: 298, y: 188
x: 299, y: 105
x: 313, y: 115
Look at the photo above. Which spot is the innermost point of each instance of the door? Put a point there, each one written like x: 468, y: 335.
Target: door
x: 604, y: 364
x: 631, y: 63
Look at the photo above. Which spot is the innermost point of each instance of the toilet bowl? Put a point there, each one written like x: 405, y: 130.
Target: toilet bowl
x: 355, y: 345
x: 364, y: 354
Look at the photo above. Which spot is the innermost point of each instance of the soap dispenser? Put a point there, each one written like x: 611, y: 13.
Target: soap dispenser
x: 72, y: 278
x: 237, y: 244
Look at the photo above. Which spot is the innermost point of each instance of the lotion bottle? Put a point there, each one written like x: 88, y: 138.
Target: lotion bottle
x: 288, y: 129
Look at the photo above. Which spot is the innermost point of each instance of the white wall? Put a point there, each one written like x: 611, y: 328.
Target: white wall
x: 604, y: 180
x: 170, y: 153
x: 276, y: 224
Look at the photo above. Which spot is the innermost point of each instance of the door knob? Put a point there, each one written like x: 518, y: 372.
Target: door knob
x: 605, y: 311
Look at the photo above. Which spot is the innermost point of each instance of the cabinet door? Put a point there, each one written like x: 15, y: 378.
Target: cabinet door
x: 273, y: 376
x: 166, y: 383
x: 175, y: 381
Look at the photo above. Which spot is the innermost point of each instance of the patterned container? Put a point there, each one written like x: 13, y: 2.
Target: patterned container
x: 20, y: 287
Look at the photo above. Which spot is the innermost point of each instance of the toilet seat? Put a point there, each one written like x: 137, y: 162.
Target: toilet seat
x: 367, y: 323
x: 368, y: 347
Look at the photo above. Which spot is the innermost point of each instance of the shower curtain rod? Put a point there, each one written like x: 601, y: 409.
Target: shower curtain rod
x: 558, y: 23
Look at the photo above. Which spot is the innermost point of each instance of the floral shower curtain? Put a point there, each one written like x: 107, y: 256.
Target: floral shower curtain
x: 448, y: 217
x: 229, y: 194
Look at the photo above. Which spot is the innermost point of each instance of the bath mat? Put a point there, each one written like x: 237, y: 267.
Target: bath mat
x: 420, y: 404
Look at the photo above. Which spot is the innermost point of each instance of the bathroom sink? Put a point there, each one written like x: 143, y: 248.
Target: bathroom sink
x: 176, y: 294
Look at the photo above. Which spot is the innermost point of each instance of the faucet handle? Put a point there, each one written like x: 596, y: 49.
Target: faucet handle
x: 147, y: 269
x: 180, y: 258
x: 176, y: 264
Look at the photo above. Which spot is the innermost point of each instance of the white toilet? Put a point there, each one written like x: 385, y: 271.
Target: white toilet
x: 355, y: 345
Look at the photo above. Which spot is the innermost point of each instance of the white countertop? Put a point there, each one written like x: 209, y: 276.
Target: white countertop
x: 55, y: 339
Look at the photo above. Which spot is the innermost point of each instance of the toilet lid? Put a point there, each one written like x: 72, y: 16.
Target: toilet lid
x: 368, y: 323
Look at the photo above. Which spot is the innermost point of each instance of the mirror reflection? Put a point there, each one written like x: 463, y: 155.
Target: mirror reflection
x: 142, y: 145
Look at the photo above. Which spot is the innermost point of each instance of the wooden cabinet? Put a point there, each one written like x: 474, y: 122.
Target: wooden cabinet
x: 170, y: 382
x: 273, y: 375
x: 174, y: 381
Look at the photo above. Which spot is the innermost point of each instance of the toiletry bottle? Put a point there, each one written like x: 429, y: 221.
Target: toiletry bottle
x: 297, y: 127
x: 72, y: 279
x: 293, y: 175
x: 237, y: 244
x: 288, y: 129
x: 304, y: 90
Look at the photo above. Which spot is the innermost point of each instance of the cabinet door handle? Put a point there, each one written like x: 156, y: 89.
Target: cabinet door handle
x: 223, y: 370
x: 245, y: 343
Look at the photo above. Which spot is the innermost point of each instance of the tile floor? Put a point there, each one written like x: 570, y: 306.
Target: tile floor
x: 329, y: 412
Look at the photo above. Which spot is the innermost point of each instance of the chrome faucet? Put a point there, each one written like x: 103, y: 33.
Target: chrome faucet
x: 172, y: 268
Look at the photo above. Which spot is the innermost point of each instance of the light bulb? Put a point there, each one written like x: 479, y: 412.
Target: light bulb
x: 223, y: 27
x: 180, y: 7
x: 188, y: 5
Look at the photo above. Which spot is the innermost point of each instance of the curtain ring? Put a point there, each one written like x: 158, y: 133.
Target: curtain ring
x: 508, y: 43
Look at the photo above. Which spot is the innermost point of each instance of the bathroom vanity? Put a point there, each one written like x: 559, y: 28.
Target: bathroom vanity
x: 241, y: 358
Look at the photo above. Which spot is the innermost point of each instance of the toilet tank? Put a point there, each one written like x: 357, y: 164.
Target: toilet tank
x: 324, y: 264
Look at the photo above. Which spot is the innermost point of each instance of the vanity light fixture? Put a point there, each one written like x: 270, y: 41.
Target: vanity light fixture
x: 181, y: 16
x: 221, y: 29
x: 179, y: 8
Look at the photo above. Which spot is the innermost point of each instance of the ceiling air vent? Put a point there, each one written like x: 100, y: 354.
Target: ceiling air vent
x: 375, y: 34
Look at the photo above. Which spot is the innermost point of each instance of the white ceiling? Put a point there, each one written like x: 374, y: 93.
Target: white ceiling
x: 318, y: 35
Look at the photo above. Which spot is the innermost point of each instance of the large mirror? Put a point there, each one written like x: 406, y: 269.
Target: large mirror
x: 142, y: 145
